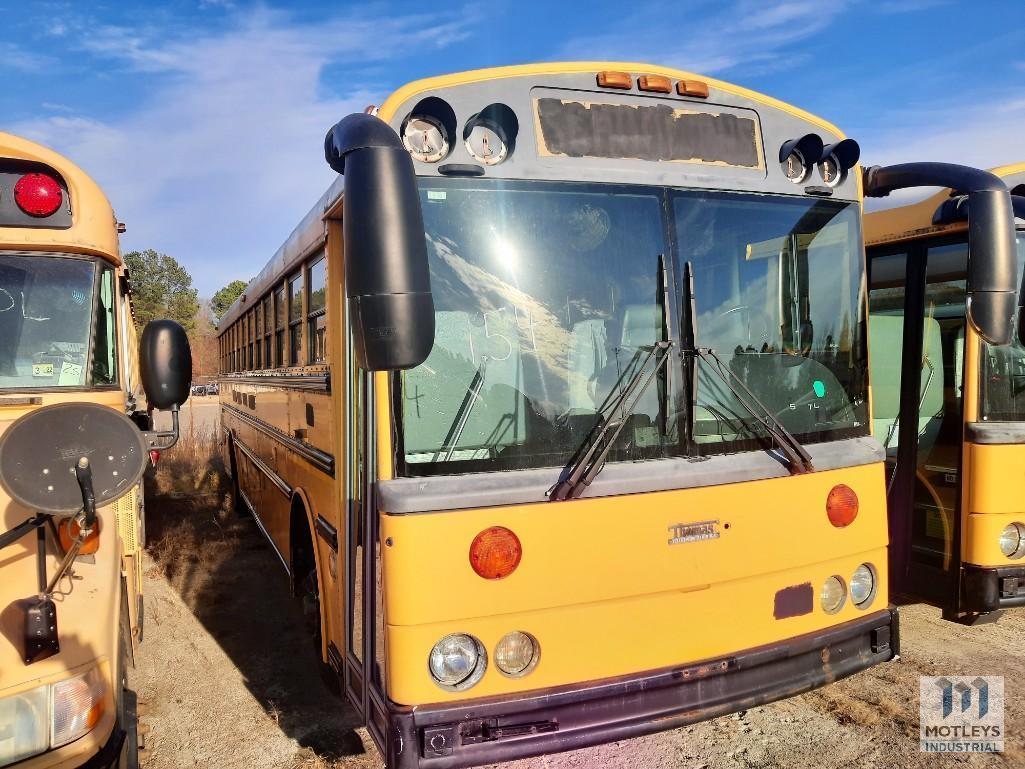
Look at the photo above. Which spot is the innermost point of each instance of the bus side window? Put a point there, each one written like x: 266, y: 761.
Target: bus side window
x: 104, y: 369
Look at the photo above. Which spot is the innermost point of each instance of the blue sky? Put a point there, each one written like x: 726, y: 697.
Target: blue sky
x: 204, y: 120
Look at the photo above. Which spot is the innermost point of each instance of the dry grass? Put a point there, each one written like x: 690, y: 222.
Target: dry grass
x: 190, y: 523
x: 192, y: 467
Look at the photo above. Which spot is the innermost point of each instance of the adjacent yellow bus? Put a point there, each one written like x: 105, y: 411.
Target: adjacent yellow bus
x: 555, y: 409
x: 965, y: 446
x: 67, y: 338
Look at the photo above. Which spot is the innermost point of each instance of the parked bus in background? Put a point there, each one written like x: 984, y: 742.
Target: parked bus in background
x: 555, y: 410
x: 66, y: 337
x: 966, y: 446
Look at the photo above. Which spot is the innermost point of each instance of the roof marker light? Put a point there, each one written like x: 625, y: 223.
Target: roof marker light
x: 609, y: 79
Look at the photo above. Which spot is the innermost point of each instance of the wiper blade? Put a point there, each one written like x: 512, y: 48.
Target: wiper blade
x: 798, y: 458
x: 590, y: 457
x: 455, y: 431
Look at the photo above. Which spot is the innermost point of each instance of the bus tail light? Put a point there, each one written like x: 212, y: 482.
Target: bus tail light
x: 154, y: 456
x: 69, y: 530
x: 609, y: 79
x: 37, y: 194
x: 842, y: 505
x: 495, y: 553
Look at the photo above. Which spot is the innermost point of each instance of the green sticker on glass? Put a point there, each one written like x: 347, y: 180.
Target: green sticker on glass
x: 819, y: 387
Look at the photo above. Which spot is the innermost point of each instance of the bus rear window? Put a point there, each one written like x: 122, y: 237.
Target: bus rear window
x: 57, y: 323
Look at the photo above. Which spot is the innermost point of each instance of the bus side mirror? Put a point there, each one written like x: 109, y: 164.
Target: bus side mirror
x: 992, y: 266
x: 387, y: 281
x: 165, y: 364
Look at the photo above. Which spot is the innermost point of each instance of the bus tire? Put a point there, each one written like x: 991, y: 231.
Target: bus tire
x: 238, y: 503
x: 307, y: 588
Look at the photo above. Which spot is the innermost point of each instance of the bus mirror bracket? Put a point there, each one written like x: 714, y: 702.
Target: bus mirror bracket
x: 387, y: 280
x: 991, y: 280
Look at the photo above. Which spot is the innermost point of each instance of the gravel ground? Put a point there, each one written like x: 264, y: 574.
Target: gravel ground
x: 228, y: 678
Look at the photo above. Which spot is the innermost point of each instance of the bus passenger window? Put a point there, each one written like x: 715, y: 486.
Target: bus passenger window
x: 318, y: 311
x: 295, y: 318
x: 279, y: 328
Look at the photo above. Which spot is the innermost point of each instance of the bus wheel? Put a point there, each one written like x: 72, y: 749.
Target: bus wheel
x: 311, y: 615
x: 238, y: 504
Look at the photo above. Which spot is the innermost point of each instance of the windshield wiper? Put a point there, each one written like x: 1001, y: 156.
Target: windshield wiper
x: 455, y: 430
x: 798, y: 458
x: 590, y: 457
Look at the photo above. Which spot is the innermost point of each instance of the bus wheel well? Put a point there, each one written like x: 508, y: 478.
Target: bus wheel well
x: 301, y: 539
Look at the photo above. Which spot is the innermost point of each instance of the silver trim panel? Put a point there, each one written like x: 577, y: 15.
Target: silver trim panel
x: 518, y: 487
x: 995, y: 433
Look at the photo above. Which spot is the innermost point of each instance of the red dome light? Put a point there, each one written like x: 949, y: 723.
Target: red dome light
x: 37, y: 194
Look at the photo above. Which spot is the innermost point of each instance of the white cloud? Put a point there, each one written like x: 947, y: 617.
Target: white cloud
x: 225, y: 154
x: 758, y: 34
x: 983, y: 135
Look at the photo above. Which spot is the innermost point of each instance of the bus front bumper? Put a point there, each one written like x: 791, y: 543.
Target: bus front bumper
x: 989, y: 589
x: 497, y: 729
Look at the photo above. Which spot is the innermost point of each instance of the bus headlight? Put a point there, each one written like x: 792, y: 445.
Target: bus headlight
x: 24, y: 725
x: 49, y: 716
x: 457, y: 661
x: 77, y: 707
x: 833, y: 595
x: 1012, y: 540
x: 863, y: 585
x: 517, y: 654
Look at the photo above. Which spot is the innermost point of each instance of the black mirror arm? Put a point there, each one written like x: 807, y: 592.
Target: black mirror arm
x: 992, y: 265
x: 162, y: 440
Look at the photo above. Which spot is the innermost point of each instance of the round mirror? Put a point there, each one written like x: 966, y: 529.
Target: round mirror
x: 38, y: 454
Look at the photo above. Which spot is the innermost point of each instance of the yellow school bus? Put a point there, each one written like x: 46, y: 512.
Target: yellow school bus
x: 67, y: 338
x: 965, y: 445
x: 555, y: 409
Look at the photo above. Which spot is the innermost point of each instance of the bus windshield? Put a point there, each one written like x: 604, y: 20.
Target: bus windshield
x: 778, y: 297
x: 1003, y: 370
x: 56, y: 323
x: 548, y: 295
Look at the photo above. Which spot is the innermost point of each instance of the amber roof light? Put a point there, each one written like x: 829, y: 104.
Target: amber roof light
x: 656, y: 83
x: 609, y: 79
x: 692, y: 88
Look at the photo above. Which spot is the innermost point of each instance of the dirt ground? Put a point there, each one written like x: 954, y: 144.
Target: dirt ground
x: 228, y: 677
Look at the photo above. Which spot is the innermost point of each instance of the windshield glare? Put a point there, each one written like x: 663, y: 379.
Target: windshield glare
x: 778, y: 297
x: 48, y: 324
x: 549, y: 295
x: 1003, y: 370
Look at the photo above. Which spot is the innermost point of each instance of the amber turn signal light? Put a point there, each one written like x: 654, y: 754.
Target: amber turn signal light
x: 656, y: 83
x: 609, y: 79
x: 842, y: 505
x: 68, y: 531
x: 495, y: 553
x: 692, y: 88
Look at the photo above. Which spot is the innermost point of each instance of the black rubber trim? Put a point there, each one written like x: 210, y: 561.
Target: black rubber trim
x: 995, y: 433
x: 327, y: 532
x: 304, y: 382
x: 319, y: 459
x: 985, y: 588
x: 495, y: 729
